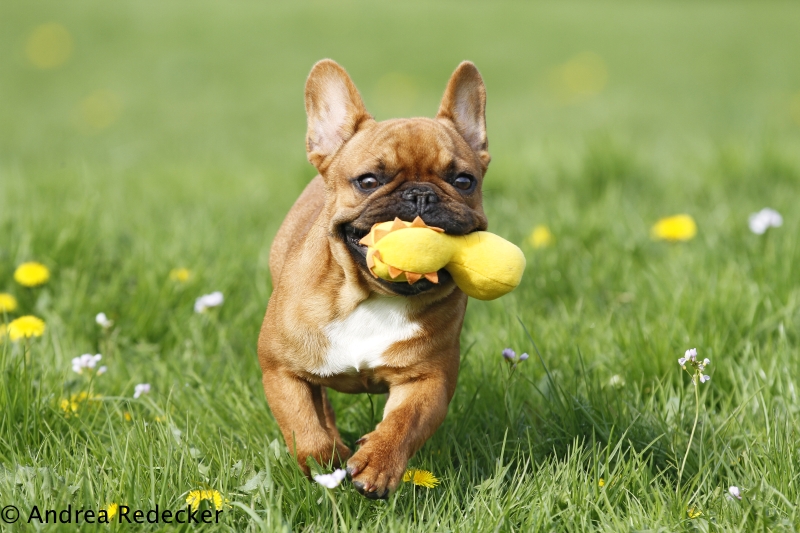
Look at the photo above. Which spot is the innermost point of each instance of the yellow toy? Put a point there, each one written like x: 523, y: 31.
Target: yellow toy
x: 482, y: 264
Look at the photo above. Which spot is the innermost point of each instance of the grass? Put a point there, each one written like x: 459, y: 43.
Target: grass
x: 197, y: 154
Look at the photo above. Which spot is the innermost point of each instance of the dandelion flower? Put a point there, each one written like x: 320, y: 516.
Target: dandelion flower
x: 763, y: 220
x: 180, y: 274
x: 31, y: 274
x: 421, y: 478
x: 541, y: 237
x: 694, y: 512
x: 601, y: 483
x: 7, y: 303
x: 111, y: 510
x: 127, y: 416
x: 675, y: 228
x: 85, y: 362
x: 73, y: 403
x: 196, y: 496
x: 25, y: 326
x: 103, y: 321
x: 141, y: 388
x: 49, y: 46
x: 207, y: 301
x: 332, y: 480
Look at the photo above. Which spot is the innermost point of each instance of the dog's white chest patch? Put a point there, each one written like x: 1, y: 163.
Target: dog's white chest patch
x: 359, y: 341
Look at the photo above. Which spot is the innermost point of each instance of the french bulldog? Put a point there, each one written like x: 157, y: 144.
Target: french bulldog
x: 329, y: 322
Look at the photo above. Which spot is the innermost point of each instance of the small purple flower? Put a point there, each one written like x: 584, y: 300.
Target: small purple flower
x: 509, y: 354
x: 523, y: 357
x: 704, y: 378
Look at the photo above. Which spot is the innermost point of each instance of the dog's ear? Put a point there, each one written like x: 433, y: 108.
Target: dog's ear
x: 334, y: 109
x: 464, y: 104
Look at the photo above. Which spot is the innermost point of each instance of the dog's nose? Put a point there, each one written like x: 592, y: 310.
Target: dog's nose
x: 421, y: 195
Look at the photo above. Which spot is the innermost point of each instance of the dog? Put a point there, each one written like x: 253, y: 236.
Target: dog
x: 329, y: 322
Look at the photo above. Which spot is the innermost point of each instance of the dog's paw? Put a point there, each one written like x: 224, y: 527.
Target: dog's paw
x: 329, y: 455
x: 376, y: 469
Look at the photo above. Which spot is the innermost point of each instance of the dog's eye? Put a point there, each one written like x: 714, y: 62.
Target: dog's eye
x: 463, y: 182
x: 367, y: 182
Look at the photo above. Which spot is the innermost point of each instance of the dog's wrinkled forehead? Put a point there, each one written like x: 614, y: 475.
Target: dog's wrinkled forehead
x: 409, y: 149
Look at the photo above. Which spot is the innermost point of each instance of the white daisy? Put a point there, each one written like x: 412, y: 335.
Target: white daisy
x: 207, y: 301
x: 86, y: 361
x: 332, y: 480
x: 763, y: 220
x: 103, y: 321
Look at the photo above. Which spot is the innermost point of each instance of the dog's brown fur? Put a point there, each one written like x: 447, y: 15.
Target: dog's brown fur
x: 318, y: 279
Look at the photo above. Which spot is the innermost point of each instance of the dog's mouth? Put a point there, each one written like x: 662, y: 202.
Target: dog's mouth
x: 351, y: 235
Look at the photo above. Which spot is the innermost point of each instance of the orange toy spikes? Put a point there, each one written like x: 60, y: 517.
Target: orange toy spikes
x: 381, y: 230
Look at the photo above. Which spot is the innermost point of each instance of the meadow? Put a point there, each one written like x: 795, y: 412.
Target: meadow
x: 141, y: 138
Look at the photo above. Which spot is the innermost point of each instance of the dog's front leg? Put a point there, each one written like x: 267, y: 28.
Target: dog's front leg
x: 305, y: 417
x: 414, y: 410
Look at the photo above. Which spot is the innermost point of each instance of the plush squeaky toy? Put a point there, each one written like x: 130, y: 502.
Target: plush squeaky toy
x: 482, y: 264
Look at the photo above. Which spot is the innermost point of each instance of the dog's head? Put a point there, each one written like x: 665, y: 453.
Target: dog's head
x: 376, y: 171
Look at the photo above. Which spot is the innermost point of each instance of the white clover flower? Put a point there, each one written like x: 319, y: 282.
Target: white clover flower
x: 763, y: 220
x: 332, y: 480
x: 103, y: 321
x: 141, y: 388
x: 207, y: 301
x: 733, y: 490
x: 86, y: 361
x: 617, y: 381
x: 697, y: 367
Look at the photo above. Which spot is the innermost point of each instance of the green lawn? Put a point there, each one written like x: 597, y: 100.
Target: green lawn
x: 173, y: 136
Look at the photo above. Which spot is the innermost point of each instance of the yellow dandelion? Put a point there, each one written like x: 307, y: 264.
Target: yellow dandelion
x: 71, y: 405
x: 127, y: 416
x: 694, y: 512
x: 98, y: 111
x: 25, y: 327
x: 49, y: 46
x: 601, y: 483
x: 579, y: 79
x: 160, y: 418
x: 421, y: 478
x: 7, y: 303
x: 31, y: 274
x: 541, y: 237
x: 111, y: 510
x: 180, y: 274
x: 196, y: 496
x: 674, y: 229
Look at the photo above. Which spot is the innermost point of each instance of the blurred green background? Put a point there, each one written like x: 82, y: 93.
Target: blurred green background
x: 137, y: 137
